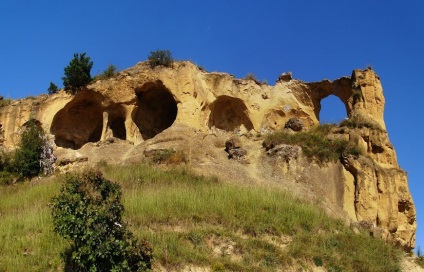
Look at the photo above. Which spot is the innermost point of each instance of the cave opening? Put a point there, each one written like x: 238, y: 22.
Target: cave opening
x: 333, y: 110
x: 117, y: 126
x: 79, y: 122
x: 116, y: 121
x: 229, y: 113
x: 156, y: 109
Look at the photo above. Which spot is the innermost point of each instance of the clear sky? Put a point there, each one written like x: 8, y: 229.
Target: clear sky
x: 313, y: 39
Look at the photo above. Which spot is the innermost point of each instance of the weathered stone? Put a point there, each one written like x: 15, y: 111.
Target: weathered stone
x: 294, y: 124
x: 237, y: 153
x: 232, y: 143
x: 285, y: 77
x: 287, y: 152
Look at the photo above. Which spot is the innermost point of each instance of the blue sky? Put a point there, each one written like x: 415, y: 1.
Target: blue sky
x: 313, y: 39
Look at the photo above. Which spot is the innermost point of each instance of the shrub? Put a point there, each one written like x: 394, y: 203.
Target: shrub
x: 88, y: 212
x: 26, y: 159
x: 109, y: 72
x: 77, y: 73
x: 52, y: 88
x: 167, y: 156
x: 6, y: 178
x: 160, y: 57
x: 251, y: 76
x: 359, y: 121
x: 5, y: 102
x: 420, y: 257
x: 315, y: 143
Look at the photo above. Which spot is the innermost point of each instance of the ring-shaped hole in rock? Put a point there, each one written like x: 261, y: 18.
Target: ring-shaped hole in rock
x: 79, y: 122
x: 333, y: 110
x: 229, y: 113
x: 156, y: 109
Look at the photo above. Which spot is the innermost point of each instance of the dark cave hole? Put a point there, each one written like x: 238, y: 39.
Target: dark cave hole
x: 79, y: 122
x: 156, y: 110
x: 117, y: 125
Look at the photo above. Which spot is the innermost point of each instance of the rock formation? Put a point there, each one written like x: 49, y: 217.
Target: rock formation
x: 147, y: 107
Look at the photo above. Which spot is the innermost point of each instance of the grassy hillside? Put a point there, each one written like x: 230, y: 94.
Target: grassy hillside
x: 197, y: 221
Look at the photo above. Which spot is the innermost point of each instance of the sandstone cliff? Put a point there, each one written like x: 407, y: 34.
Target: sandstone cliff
x: 186, y: 108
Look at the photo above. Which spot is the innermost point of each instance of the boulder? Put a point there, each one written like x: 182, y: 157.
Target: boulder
x: 294, y: 124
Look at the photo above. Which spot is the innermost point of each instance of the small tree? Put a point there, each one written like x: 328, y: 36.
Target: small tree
x: 26, y: 159
x: 52, y: 88
x: 160, y: 57
x: 88, y: 211
x: 77, y: 73
x: 110, y: 72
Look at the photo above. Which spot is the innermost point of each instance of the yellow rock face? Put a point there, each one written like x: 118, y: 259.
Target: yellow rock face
x: 141, y: 103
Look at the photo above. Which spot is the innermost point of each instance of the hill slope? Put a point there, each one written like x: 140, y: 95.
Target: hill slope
x: 198, y: 224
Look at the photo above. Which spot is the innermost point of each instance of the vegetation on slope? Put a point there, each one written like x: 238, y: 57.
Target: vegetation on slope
x: 88, y: 213
x: 198, y: 221
x: 32, y: 157
x: 315, y: 143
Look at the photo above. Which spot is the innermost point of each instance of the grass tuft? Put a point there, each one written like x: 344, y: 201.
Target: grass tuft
x: 5, y: 102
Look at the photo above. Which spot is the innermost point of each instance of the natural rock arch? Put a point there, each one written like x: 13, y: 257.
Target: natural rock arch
x: 229, y: 113
x: 79, y: 122
x: 156, y: 109
x: 341, y: 88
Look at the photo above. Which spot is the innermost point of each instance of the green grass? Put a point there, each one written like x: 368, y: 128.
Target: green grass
x: 315, y: 143
x: 26, y: 232
x: 359, y: 121
x: 195, y: 220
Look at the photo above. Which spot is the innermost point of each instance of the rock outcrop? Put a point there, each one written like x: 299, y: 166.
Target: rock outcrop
x: 140, y: 104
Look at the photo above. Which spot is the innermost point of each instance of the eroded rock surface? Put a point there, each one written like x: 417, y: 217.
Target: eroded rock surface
x: 185, y: 108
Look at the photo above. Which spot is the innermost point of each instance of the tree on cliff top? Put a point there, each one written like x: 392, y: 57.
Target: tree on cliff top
x: 52, y: 88
x: 77, y: 73
x: 160, y: 57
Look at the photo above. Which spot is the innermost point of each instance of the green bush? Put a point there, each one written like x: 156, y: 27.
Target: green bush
x: 52, y: 88
x: 77, y: 73
x: 26, y: 159
x: 88, y: 212
x: 359, y: 121
x: 6, y: 178
x: 109, y: 72
x: 160, y: 57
